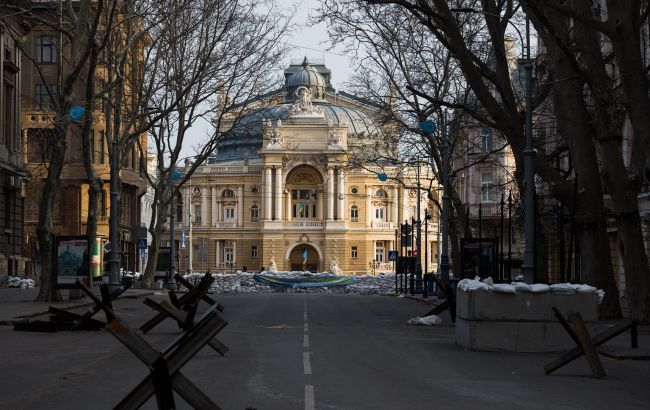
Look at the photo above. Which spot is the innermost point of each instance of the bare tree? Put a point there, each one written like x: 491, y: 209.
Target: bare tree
x: 209, y: 60
x: 600, y: 47
x: 76, y: 23
x: 484, y: 62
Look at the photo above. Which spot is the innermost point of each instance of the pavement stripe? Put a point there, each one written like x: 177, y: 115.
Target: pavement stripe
x: 305, y: 341
x: 309, y: 397
x: 306, y: 327
x: 306, y: 364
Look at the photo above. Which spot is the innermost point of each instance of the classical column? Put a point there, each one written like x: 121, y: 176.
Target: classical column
x: 204, y: 206
x: 234, y: 252
x: 340, y: 195
x: 330, y: 194
x: 218, y: 257
x: 214, y: 206
x: 220, y: 211
x: 368, y: 206
x: 240, y: 206
x: 320, y: 205
x: 278, y: 193
x: 267, y: 194
x: 394, y: 217
x: 187, y: 203
x: 288, y: 205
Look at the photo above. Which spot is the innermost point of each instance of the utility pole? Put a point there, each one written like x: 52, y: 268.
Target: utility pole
x: 528, y: 266
x: 171, y: 283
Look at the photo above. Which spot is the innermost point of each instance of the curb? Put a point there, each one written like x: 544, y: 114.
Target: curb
x: 21, y: 318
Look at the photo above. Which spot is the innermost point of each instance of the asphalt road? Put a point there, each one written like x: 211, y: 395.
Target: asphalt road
x: 310, y: 351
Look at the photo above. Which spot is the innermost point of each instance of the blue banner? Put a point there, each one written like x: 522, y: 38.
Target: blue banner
x: 306, y: 281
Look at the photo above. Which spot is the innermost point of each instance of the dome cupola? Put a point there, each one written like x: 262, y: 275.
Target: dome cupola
x: 306, y: 76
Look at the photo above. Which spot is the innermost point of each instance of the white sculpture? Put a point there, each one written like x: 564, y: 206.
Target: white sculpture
x: 334, y: 138
x: 334, y: 267
x: 273, y: 267
x: 274, y: 138
x: 303, y: 105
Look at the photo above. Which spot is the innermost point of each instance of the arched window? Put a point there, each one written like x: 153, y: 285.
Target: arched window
x: 380, y: 194
x: 354, y: 213
x: 228, y: 193
x: 255, y: 213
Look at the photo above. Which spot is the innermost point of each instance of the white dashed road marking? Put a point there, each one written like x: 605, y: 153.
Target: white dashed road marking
x: 306, y: 364
x: 309, y: 397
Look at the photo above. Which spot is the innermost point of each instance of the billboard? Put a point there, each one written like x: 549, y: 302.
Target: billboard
x: 72, y: 260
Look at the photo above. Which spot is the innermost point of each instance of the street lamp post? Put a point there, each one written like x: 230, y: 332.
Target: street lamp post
x: 114, y: 237
x: 418, y: 237
x: 444, y: 257
x: 428, y: 128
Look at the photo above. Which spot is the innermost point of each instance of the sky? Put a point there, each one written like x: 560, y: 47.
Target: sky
x: 309, y: 41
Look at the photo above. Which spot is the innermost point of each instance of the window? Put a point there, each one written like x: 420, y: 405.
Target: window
x: 102, y: 203
x: 354, y: 252
x: 228, y: 193
x: 38, y: 146
x: 486, y: 139
x: 487, y: 194
x: 45, y: 95
x: 200, y: 250
x: 254, y: 251
x: 354, y: 190
x: 229, y: 213
x: 255, y: 190
x: 255, y: 213
x: 179, y: 208
x: 229, y: 255
x: 197, y: 214
x: 354, y: 214
x: 46, y: 49
x: 303, y: 203
x: 379, y: 251
x: 100, y: 147
x: 380, y: 193
x: 379, y: 213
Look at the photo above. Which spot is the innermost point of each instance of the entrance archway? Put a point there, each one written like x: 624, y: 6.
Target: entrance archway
x: 297, y: 258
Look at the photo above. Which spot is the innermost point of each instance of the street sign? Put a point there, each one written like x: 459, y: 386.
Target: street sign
x: 183, y: 239
x: 415, y: 252
x: 382, y: 176
x: 143, y: 254
x: 142, y: 243
x: 107, y: 247
x: 392, y: 255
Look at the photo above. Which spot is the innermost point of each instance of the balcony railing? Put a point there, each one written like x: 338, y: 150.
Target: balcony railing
x: 382, y: 225
x: 304, y: 225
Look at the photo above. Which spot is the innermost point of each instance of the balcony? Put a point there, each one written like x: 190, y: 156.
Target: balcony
x: 381, y: 225
x: 488, y: 209
x: 304, y: 225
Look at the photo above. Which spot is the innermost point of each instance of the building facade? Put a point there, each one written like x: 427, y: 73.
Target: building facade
x: 12, y: 169
x: 284, y: 188
x: 40, y: 83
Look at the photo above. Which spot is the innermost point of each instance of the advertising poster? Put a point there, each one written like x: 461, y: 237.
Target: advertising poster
x: 96, y: 257
x: 163, y: 264
x: 72, y: 260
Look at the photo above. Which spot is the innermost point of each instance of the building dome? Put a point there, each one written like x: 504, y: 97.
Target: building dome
x: 306, y: 76
x: 247, y: 139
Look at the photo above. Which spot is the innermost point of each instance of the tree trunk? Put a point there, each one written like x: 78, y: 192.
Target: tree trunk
x: 45, y: 230
x: 156, y: 225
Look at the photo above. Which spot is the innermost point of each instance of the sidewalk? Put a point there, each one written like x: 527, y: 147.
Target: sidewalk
x: 18, y: 304
x: 619, y: 348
